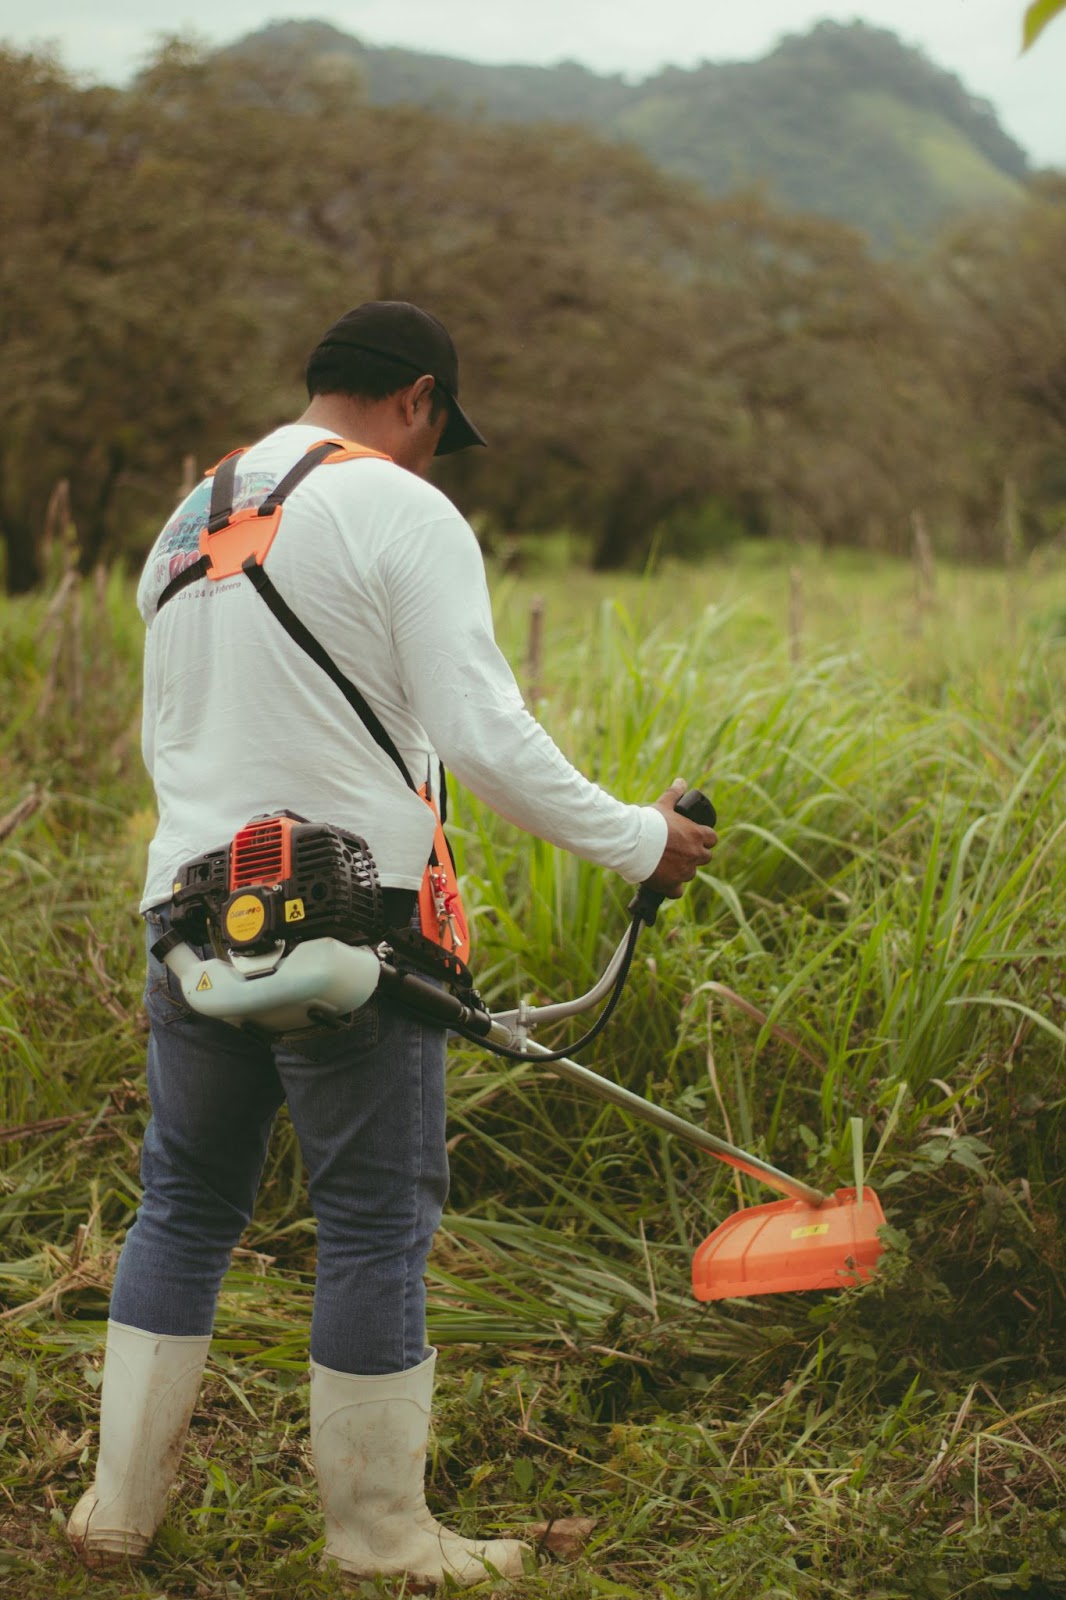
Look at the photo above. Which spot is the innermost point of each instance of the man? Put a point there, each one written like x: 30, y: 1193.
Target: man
x: 237, y: 722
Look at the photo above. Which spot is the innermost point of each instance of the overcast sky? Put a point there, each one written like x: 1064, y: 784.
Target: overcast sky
x: 977, y: 39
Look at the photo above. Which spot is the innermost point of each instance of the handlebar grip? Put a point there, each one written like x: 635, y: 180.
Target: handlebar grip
x: 697, y: 807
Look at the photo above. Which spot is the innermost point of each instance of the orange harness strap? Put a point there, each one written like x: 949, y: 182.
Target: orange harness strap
x: 231, y: 537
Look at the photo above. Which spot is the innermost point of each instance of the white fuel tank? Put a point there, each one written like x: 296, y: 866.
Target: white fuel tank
x: 316, y: 981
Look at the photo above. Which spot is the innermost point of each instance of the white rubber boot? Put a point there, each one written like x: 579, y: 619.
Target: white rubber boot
x: 150, y: 1385
x: 368, y: 1439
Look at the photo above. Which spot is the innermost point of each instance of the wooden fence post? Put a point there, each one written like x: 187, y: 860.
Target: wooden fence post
x: 924, y: 564
x: 795, y: 616
x: 1013, y: 548
x: 57, y: 521
x: 535, y: 649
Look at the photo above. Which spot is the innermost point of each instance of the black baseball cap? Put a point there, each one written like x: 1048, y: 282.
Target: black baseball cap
x: 414, y: 339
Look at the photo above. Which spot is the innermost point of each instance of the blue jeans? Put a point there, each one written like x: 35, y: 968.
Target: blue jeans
x: 367, y: 1104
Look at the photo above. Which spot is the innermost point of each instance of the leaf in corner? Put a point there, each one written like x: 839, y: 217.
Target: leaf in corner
x: 1037, y: 18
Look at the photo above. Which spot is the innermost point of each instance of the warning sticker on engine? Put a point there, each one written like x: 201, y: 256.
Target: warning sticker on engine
x: 294, y: 911
x: 204, y: 983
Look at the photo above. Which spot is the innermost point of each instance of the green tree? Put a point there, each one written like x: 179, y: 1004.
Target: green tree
x: 1003, y: 329
x: 129, y: 306
x: 632, y: 348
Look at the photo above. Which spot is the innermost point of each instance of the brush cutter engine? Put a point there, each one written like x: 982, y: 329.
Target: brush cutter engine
x: 292, y: 909
x: 281, y: 880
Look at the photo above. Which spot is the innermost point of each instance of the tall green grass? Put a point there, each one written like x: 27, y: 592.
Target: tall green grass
x: 879, y: 939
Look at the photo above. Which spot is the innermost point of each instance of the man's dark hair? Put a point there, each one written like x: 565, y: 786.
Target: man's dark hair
x: 364, y: 375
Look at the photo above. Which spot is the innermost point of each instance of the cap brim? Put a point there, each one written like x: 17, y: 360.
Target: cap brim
x: 459, y: 431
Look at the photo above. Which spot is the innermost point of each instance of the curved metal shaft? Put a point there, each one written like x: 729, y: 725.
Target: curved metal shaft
x: 585, y: 1078
x: 523, y: 1017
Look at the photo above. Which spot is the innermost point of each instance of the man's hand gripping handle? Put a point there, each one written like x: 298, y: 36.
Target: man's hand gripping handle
x: 690, y: 838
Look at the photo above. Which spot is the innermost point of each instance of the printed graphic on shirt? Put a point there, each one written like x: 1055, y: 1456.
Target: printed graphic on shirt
x: 178, y: 546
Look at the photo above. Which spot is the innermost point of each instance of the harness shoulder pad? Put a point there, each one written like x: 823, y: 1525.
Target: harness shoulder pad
x: 347, y: 450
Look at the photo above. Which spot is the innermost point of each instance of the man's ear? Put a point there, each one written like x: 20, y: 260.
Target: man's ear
x: 419, y: 395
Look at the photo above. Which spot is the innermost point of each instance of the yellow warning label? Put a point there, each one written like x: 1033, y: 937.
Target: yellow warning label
x: 294, y: 911
x: 810, y: 1232
x: 204, y: 983
x: 245, y: 918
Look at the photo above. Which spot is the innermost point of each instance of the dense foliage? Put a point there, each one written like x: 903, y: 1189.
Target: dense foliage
x: 654, y: 369
x: 879, y: 937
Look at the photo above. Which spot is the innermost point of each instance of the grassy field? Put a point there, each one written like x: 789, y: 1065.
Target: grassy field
x: 880, y: 937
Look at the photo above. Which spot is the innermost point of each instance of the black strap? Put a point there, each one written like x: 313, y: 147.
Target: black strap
x: 190, y: 574
x: 303, y: 636
x: 168, y: 942
x: 414, y: 948
x: 219, y: 513
x: 222, y: 492
x: 307, y: 463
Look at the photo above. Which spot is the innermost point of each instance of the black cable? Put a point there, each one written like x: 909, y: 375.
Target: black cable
x: 601, y: 1022
x: 644, y: 907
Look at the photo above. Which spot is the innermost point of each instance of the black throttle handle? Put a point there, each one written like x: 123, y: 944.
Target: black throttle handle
x: 694, y: 805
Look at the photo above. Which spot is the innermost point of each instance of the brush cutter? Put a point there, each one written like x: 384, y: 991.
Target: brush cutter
x: 301, y: 946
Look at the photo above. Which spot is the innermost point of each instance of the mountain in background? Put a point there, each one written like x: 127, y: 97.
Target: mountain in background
x: 844, y: 121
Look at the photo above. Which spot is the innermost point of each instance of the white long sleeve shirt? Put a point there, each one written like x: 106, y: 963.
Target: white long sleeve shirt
x: 384, y: 571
